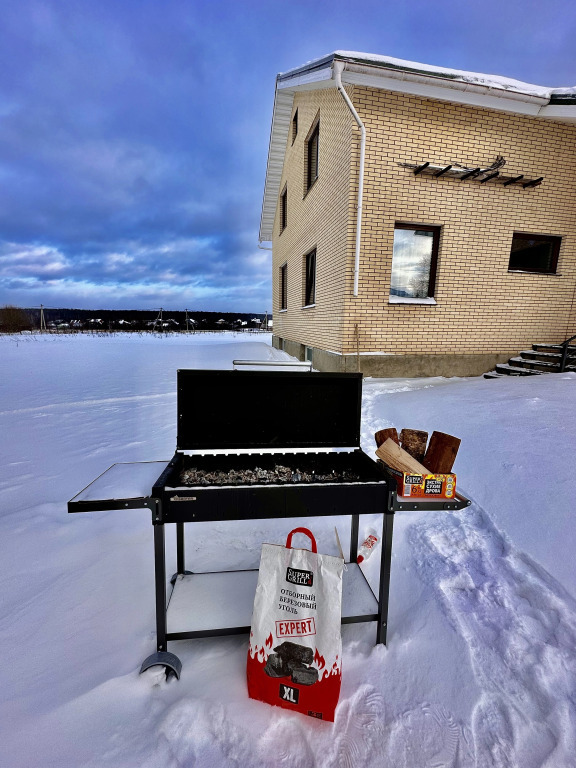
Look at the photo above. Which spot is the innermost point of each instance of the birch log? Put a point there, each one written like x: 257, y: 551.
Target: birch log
x: 395, y: 457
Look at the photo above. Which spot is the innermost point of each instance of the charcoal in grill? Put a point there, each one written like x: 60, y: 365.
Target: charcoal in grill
x: 294, y: 652
x: 304, y: 675
x: 278, y: 474
x: 275, y: 666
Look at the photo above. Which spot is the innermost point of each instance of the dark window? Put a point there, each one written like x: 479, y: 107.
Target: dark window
x: 534, y: 253
x: 284, y: 286
x: 414, y: 261
x: 294, y: 126
x: 312, y: 156
x: 310, y: 278
x: 284, y: 209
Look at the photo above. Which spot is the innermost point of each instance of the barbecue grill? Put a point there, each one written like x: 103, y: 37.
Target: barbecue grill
x: 254, y: 445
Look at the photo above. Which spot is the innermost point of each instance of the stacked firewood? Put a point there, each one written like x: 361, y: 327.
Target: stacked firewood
x: 411, y: 452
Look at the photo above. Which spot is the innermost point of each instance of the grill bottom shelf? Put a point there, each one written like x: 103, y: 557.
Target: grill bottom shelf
x: 210, y: 604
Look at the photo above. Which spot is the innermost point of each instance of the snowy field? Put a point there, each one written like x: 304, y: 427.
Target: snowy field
x: 480, y: 667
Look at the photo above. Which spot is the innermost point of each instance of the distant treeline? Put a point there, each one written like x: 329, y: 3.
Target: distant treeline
x: 134, y: 320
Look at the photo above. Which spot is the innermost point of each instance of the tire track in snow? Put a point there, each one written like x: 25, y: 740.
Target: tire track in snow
x: 520, y: 627
x: 428, y: 737
x: 198, y: 733
x: 83, y: 403
x: 359, y: 730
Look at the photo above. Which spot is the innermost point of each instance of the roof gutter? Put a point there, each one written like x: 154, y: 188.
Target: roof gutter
x: 338, y: 69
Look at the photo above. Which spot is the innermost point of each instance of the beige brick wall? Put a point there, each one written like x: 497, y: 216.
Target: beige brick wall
x: 318, y: 218
x: 481, y: 307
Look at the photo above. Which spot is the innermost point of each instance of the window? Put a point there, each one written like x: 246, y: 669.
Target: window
x: 312, y: 144
x: 414, y: 261
x: 310, y: 278
x: 534, y: 253
x: 294, y: 126
x: 283, y: 209
x: 284, y: 286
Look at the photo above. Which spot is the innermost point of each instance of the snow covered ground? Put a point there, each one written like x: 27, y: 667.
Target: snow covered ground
x: 480, y: 667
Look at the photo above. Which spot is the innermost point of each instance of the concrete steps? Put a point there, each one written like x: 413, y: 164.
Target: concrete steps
x: 557, y: 348
x: 542, y: 358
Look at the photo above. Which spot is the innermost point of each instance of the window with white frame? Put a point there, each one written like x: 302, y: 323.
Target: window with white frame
x: 310, y: 278
x: 284, y: 209
x: 414, y: 261
x: 283, y: 287
x: 312, y: 146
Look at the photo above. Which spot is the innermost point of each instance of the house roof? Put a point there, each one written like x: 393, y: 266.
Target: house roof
x: 388, y: 73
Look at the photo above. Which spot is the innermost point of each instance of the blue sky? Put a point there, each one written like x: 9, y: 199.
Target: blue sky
x: 134, y: 134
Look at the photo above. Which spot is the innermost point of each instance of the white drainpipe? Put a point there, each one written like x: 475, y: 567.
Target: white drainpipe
x: 338, y: 69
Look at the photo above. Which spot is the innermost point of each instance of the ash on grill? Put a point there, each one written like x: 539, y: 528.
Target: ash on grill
x: 277, y: 475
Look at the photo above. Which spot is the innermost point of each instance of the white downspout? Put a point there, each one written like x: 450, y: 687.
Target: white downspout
x: 338, y: 69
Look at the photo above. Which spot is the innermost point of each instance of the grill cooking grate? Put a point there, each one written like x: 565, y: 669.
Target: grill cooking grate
x: 279, y: 475
x: 288, y: 469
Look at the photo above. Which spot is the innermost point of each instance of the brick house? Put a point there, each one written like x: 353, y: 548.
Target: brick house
x: 422, y: 220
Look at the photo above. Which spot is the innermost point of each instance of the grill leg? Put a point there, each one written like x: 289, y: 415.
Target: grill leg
x: 354, y: 538
x: 180, y: 565
x: 160, y: 577
x: 180, y: 555
x: 385, y: 563
x: 171, y: 663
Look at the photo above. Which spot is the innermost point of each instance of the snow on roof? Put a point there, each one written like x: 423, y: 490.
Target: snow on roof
x: 458, y: 75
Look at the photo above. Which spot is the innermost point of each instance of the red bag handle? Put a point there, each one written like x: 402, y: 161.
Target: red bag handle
x: 306, y: 532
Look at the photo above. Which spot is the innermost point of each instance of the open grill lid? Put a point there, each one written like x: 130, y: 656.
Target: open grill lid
x: 262, y: 409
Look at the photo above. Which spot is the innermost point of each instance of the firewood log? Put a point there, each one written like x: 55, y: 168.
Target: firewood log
x: 383, y: 434
x: 395, y: 457
x: 413, y: 441
x: 441, y: 452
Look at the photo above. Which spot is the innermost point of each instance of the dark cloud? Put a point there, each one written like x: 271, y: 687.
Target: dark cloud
x: 134, y: 134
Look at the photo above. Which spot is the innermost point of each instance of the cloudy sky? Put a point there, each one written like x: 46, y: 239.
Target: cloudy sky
x: 134, y: 133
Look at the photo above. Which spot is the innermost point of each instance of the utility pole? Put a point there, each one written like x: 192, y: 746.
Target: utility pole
x: 42, y: 319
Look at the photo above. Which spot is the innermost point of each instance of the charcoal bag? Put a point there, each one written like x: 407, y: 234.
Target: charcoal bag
x: 295, y: 652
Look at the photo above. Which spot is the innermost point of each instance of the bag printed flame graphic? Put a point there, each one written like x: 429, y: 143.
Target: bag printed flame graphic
x: 295, y: 653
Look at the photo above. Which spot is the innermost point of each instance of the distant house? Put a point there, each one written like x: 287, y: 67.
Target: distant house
x: 422, y: 219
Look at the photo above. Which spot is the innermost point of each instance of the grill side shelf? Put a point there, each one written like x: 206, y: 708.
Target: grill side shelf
x: 121, y: 486
x: 108, y: 505
x: 400, y: 504
x: 404, y: 503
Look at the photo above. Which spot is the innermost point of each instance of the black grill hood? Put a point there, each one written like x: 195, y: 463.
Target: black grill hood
x: 263, y: 409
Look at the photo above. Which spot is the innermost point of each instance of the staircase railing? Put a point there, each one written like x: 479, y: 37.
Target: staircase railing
x: 565, y: 352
